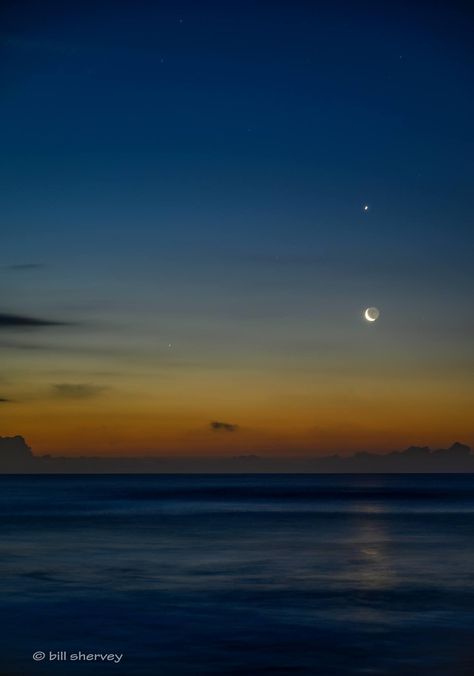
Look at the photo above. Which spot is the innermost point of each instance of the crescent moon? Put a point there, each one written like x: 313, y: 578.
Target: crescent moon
x: 371, y: 314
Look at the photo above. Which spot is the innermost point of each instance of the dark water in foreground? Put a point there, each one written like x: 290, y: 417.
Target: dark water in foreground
x: 257, y: 574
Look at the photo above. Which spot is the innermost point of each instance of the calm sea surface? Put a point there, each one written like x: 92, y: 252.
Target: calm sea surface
x: 334, y: 575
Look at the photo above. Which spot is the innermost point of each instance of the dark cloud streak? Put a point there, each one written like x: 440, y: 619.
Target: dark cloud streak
x: 12, y: 321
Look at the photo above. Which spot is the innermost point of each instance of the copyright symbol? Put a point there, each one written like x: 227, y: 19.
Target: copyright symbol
x: 38, y: 656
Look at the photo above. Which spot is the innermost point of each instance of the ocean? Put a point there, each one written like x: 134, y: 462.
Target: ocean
x: 331, y: 575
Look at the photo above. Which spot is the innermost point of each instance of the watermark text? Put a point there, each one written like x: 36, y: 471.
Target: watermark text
x: 79, y: 656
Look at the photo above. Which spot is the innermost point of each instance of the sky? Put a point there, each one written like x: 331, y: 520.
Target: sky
x: 184, y: 238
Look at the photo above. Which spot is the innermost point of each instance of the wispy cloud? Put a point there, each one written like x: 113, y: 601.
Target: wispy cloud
x: 24, y: 267
x: 217, y: 426
x: 77, y: 390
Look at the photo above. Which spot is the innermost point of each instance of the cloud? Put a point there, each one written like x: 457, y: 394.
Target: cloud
x: 8, y: 321
x: 77, y: 390
x: 216, y: 425
x: 24, y: 267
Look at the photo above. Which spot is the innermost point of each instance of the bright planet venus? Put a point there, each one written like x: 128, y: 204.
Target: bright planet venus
x: 371, y: 314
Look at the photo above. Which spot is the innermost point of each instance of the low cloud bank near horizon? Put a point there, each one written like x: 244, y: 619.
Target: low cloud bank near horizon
x: 17, y: 457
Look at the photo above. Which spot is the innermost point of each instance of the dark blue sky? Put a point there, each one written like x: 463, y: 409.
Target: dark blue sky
x: 194, y: 175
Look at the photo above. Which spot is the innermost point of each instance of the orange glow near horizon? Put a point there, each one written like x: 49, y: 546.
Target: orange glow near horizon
x: 288, y: 414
